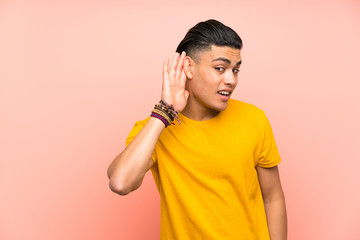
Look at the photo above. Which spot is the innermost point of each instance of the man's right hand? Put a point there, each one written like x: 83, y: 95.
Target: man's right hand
x: 127, y: 170
x: 174, y: 80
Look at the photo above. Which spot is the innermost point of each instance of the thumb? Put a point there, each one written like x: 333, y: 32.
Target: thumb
x: 186, y: 93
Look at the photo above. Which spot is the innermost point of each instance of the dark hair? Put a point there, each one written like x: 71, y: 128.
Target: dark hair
x: 207, y: 33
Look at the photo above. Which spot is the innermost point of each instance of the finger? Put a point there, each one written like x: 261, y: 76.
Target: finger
x: 166, y: 69
x: 173, y: 65
x: 180, y: 65
x: 182, y: 81
x: 187, y: 93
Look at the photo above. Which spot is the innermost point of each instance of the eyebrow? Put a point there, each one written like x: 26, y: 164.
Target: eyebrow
x: 226, y: 60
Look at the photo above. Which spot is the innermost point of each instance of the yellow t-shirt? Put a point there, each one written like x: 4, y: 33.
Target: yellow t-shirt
x: 206, y: 177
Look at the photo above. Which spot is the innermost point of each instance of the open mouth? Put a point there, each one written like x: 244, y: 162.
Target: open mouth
x: 224, y: 93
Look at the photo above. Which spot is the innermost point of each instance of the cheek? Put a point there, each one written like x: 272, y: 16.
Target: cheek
x: 205, y: 82
x: 206, y: 86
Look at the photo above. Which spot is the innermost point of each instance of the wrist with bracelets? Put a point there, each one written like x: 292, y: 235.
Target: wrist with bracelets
x: 165, y: 112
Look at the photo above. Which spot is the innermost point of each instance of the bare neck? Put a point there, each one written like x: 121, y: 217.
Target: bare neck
x: 198, y: 112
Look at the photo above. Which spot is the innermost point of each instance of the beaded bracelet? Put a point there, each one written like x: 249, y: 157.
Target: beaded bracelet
x: 165, y: 112
x: 161, y: 113
x: 170, y: 109
x: 160, y: 118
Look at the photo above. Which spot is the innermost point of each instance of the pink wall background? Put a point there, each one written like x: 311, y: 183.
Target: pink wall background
x: 76, y: 75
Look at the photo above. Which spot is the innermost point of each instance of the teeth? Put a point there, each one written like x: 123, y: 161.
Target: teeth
x: 224, y: 92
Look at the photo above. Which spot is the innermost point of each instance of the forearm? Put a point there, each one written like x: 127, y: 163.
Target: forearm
x: 128, y: 169
x: 276, y: 218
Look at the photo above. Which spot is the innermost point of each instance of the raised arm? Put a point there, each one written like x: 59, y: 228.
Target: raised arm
x: 127, y: 170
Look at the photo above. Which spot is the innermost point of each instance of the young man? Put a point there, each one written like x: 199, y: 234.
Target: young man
x: 216, y: 172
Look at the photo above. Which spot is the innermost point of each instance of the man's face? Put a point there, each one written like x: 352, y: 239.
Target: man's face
x: 214, y: 78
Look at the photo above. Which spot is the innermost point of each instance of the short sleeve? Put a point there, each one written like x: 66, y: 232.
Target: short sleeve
x: 269, y: 154
x: 135, y: 130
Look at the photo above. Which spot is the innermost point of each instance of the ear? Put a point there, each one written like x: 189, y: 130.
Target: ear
x: 187, y: 66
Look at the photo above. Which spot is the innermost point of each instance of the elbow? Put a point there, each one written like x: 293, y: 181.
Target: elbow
x: 123, y: 182
x: 119, y: 188
x: 116, y: 184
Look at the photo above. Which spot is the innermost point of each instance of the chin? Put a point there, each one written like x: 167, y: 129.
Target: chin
x: 223, y: 108
x: 220, y: 107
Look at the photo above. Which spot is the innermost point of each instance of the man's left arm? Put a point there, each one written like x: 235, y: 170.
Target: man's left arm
x: 274, y: 202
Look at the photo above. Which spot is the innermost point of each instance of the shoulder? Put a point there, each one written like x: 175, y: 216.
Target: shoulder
x: 141, y: 123
x: 136, y: 129
x: 245, y: 109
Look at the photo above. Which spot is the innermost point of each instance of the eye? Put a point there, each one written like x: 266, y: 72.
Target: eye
x: 220, y: 69
x: 236, y: 70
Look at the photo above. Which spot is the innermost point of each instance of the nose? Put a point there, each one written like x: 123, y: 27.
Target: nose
x: 230, y: 79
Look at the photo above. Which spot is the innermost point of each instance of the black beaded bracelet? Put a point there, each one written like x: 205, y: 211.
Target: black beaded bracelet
x: 170, y: 109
